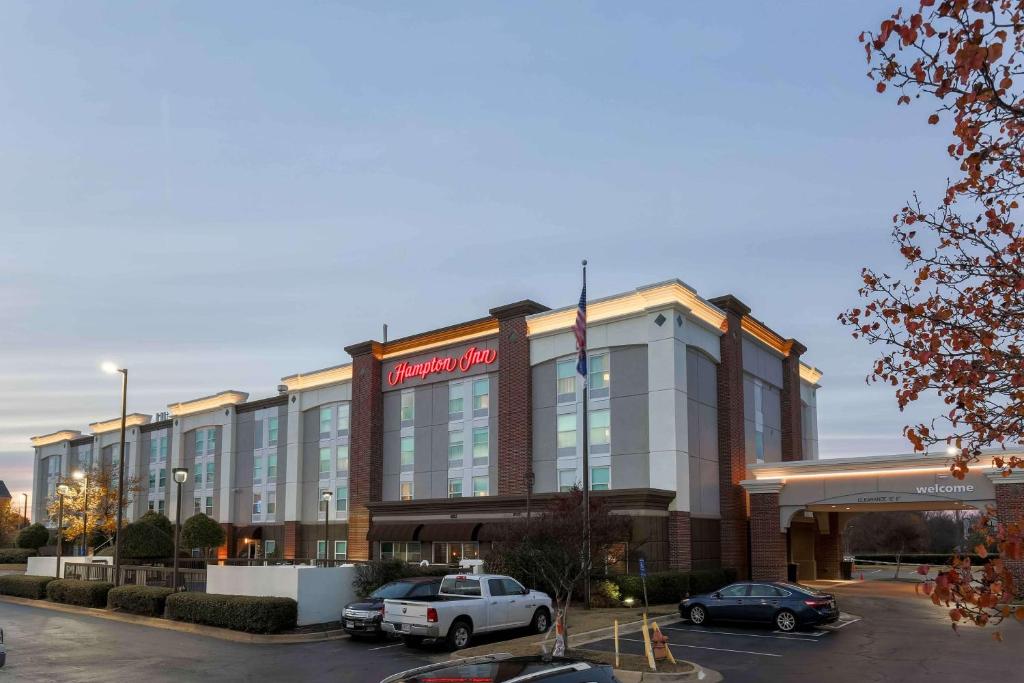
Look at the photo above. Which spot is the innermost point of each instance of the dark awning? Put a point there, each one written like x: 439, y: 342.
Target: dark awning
x: 393, y: 532
x: 491, y: 531
x: 448, y: 531
x: 250, y: 532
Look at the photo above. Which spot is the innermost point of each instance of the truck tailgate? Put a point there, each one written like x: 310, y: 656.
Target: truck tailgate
x: 406, y: 612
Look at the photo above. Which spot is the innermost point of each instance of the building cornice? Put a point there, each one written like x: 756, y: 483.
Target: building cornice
x: 260, y: 404
x: 446, y: 336
x: 881, y: 465
x: 55, y: 437
x: 131, y: 420
x: 762, y: 486
x: 206, y: 403
x: 318, y: 378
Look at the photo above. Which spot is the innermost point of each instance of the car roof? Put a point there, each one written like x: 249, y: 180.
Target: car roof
x: 419, y: 579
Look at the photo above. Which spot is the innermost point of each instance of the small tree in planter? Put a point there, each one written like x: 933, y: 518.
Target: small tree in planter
x: 200, y: 531
x: 159, y: 521
x: 144, y: 541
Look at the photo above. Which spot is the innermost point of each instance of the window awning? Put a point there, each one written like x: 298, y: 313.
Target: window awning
x: 393, y: 532
x: 491, y: 531
x: 448, y: 531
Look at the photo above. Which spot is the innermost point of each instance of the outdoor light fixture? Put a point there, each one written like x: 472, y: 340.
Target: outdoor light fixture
x: 325, y: 496
x: 79, y: 475
x: 180, y: 476
x: 64, y: 490
x: 109, y: 367
x: 628, y: 602
x: 952, y: 450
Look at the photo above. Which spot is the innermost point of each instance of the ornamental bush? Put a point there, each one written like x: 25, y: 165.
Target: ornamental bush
x: 79, y: 592
x: 16, y: 555
x: 158, y: 520
x: 146, y: 600
x: 238, y: 612
x: 24, y: 585
x: 665, y: 587
x: 145, y: 541
x: 34, y: 536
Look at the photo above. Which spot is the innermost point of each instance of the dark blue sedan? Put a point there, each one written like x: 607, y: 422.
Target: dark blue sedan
x: 787, y: 606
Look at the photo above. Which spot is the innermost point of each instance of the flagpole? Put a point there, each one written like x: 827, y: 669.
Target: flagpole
x: 586, y: 468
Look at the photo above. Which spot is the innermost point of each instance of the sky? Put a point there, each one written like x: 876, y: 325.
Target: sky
x: 217, y: 195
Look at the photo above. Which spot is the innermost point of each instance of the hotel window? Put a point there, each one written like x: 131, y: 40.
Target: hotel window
x: 197, y: 506
x: 325, y: 463
x: 269, y: 546
x: 408, y: 453
x: 759, y: 390
x: 197, y: 474
x: 341, y: 499
x: 211, y: 440
x: 257, y: 503
x: 271, y: 504
x: 343, y: 414
x: 209, y: 506
x: 600, y: 431
x: 325, y: 423
x: 481, y: 397
x: 163, y: 448
x: 455, y: 488
x: 341, y: 550
x: 154, y: 450
x: 211, y: 467
x: 320, y: 545
x: 455, y: 448
x: 481, y: 445
x: 200, y: 441
x: 257, y: 433
x: 408, y: 406
x: 342, y: 462
x: 393, y: 550
x: 271, y: 468
x: 566, y: 439
x: 566, y: 380
x: 162, y: 482
x: 566, y: 480
x: 152, y: 479
x: 406, y: 490
x: 451, y: 552
x: 160, y: 506
x: 152, y: 505
x: 272, y: 431
x: 600, y: 377
x: 257, y: 470
x: 480, y: 486
x: 455, y: 401
x: 600, y: 478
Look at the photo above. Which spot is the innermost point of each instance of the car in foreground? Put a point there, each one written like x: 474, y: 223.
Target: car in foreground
x: 787, y: 606
x: 364, y: 617
x: 468, y: 604
x: 506, y: 668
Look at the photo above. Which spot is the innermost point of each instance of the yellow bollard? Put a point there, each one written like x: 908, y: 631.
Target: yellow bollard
x: 616, y: 643
x: 647, y: 645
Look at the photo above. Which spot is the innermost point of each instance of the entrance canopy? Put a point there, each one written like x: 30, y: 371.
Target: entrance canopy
x: 873, y: 484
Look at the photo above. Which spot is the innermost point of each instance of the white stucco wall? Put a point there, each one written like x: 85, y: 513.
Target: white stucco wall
x: 46, y: 566
x: 321, y: 592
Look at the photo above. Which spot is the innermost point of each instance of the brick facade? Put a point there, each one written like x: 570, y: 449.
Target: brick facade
x: 680, y: 541
x: 366, y: 445
x: 732, y: 456
x: 828, y: 549
x: 767, y: 542
x: 228, y: 549
x: 292, y: 540
x: 1010, y: 510
x: 792, y: 406
x: 515, y: 411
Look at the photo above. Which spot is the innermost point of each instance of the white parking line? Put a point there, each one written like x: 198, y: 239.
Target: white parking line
x: 716, y: 649
x: 383, y: 647
x: 744, y: 635
x: 842, y: 623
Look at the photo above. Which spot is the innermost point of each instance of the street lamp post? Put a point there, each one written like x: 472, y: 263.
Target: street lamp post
x: 326, y: 497
x: 180, y: 476
x: 24, y: 510
x: 81, y: 476
x: 62, y: 491
x: 111, y: 368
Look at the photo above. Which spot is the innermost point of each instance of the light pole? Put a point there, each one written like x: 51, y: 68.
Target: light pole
x: 326, y: 497
x: 111, y: 368
x: 180, y: 476
x: 81, y: 476
x: 62, y: 491
x: 24, y: 509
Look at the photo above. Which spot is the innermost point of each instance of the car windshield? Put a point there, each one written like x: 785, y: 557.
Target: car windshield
x: 393, y: 590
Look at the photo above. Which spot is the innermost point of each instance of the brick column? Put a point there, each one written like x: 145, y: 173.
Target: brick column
x: 767, y: 542
x: 366, y: 444
x: 292, y: 539
x: 1010, y: 510
x: 828, y: 549
x: 227, y: 550
x: 792, y: 413
x: 732, y: 455
x: 680, y: 541
x: 515, y: 413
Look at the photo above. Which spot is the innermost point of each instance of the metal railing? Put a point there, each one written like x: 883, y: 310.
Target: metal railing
x: 280, y: 562
x: 142, y: 575
x: 89, y: 571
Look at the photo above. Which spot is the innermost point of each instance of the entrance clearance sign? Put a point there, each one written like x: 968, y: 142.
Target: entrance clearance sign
x: 441, y: 365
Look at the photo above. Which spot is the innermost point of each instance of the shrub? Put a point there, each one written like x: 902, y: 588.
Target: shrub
x: 78, y: 592
x: 201, y: 531
x: 159, y: 521
x: 605, y: 593
x: 144, y: 541
x: 665, y: 587
x: 34, y: 536
x: 16, y: 555
x: 145, y: 600
x: 25, y: 585
x: 237, y: 612
x: 373, y: 575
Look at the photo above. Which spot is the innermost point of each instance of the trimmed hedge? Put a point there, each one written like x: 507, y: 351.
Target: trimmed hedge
x: 16, y: 555
x: 79, y: 592
x: 145, y: 600
x: 238, y: 612
x: 25, y: 585
x: 665, y: 587
x: 939, y: 559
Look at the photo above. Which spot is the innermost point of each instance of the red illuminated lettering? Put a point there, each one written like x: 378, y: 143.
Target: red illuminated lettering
x: 438, y: 364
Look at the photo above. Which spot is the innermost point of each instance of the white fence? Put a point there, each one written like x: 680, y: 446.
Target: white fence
x: 47, y: 566
x: 321, y: 592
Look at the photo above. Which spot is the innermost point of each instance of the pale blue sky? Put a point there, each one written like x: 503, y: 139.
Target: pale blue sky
x: 221, y: 194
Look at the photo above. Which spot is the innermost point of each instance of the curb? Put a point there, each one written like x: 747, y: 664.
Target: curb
x: 180, y: 626
x: 629, y: 627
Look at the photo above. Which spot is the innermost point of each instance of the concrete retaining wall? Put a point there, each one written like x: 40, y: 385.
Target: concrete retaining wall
x: 321, y: 592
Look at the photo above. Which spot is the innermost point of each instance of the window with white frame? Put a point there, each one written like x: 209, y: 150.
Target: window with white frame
x: 160, y: 506
x: 481, y: 446
x: 600, y: 478
x: 343, y: 419
x: 320, y: 548
x: 481, y: 396
x: 197, y: 506
x: 566, y: 436
x: 272, y: 431
x: 455, y: 390
x: 211, y: 470
x: 400, y: 550
x: 269, y: 547
x: 405, y: 490
x: 342, y: 459
x: 341, y: 550
x: 565, y: 373
x: 325, y: 422
x: 759, y: 390
x: 271, y: 468
x: 599, y: 376
x: 481, y: 486
x: 271, y: 504
x: 451, y: 552
x: 341, y: 499
x: 152, y: 480
x: 408, y: 454
x: 566, y: 479
x: 455, y: 448
x: 325, y: 463
x: 197, y: 475
x: 209, y: 506
x: 257, y: 504
x: 408, y: 406
x: 600, y: 431
x: 162, y: 479
x: 455, y: 487
x: 257, y: 469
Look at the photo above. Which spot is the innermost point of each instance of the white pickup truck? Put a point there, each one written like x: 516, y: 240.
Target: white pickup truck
x: 468, y: 604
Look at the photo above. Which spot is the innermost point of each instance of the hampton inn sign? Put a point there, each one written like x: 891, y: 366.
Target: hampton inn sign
x: 442, y: 364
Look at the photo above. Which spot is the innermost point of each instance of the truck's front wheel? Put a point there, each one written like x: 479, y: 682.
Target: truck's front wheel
x: 458, y: 635
x: 541, y: 621
x: 412, y: 641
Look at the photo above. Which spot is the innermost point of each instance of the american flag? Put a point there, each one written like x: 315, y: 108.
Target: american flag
x: 580, y: 328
